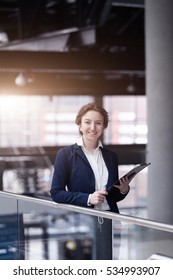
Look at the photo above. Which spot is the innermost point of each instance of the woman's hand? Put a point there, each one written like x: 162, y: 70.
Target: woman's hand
x: 97, y: 198
x: 124, y: 184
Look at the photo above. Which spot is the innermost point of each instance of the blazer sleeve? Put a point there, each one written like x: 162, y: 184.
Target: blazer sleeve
x: 60, y: 180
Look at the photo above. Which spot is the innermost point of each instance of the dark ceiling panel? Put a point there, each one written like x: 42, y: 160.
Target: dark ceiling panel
x: 113, y: 46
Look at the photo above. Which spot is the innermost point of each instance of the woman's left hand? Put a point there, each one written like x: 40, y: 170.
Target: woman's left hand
x: 124, y: 184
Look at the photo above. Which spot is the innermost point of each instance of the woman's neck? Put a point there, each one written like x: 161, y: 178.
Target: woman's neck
x: 90, y: 146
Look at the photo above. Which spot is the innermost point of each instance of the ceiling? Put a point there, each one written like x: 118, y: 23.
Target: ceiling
x: 72, y: 47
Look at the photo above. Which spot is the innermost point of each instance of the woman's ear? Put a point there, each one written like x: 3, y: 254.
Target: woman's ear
x: 80, y: 130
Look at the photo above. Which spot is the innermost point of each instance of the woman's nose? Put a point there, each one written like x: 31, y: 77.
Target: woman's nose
x: 92, y: 126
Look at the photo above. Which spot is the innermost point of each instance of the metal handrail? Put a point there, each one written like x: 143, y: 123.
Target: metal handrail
x: 94, y: 212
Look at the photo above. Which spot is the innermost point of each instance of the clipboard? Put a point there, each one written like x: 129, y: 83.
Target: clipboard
x: 133, y: 172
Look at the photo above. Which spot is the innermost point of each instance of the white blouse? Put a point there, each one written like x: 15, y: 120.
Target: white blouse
x: 99, y: 168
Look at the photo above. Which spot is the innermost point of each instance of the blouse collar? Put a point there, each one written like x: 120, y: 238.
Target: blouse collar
x: 80, y: 143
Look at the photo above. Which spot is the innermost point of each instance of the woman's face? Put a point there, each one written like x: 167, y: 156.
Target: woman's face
x: 92, y: 125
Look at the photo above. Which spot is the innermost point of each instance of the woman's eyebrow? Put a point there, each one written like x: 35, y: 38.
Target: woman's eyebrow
x: 91, y: 120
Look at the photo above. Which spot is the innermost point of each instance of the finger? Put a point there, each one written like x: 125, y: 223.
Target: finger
x: 117, y: 186
x: 122, y: 181
x: 103, y: 192
x: 125, y: 179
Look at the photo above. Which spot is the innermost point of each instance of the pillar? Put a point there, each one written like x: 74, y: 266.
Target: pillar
x: 159, y: 87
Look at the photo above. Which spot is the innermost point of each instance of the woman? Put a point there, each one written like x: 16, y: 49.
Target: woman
x: 84, y: 170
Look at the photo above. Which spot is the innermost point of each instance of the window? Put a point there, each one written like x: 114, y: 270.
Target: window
x: 127, y: 120
x: 39, y: 120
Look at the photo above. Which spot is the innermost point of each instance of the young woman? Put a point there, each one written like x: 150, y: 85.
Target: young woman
x: 84, y: 170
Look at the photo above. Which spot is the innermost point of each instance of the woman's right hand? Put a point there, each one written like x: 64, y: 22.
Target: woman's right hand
x: 98, y: 197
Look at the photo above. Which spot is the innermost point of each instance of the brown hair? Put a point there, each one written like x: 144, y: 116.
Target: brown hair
x: 92, y: 107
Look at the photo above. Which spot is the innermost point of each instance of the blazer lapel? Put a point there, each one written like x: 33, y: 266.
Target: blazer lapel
x: 109, y: 167
x: 85, y: 160
x: 81, y: 154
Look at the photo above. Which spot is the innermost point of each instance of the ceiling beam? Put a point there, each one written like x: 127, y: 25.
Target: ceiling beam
x: 71, y: 60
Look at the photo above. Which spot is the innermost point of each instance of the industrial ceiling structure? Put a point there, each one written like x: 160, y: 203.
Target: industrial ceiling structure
x: 72, y: 47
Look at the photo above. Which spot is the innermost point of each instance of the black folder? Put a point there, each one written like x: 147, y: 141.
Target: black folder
x: 129, y: 174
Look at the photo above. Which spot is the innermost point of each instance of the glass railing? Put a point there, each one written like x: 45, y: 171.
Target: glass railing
x: 33, y: 228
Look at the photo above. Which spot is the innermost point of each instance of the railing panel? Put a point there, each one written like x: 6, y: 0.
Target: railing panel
x: 43, y: 230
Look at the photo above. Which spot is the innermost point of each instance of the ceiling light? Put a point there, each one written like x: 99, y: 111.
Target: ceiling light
x: 131, y: 88
x: 3, y: 38
x: 20, y: 80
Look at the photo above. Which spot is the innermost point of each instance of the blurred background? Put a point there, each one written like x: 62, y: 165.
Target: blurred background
x: 55, y: 56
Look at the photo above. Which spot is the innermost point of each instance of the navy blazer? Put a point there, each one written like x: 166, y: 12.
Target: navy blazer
x: 73, y: 178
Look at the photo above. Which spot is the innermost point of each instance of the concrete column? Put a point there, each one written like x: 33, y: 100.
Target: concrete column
x: 159, y: 86
x: 2, y: 168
